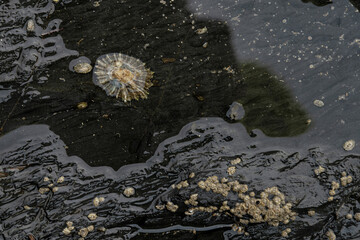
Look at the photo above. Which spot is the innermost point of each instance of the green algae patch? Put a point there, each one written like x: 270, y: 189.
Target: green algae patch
x: 269, y: 105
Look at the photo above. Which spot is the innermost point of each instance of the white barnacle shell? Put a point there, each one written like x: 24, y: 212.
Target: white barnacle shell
x: 92, y: 216
x: 122, y: 76
x: 129, y: 191
x: 30, y: 25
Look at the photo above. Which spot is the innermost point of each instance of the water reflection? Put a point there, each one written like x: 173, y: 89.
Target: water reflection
x: 315, y: 50
x: 196, y: 75
x: 269, y: 105
x: 318, y: 2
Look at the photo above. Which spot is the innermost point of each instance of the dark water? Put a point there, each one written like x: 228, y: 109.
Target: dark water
x: 273, y: 57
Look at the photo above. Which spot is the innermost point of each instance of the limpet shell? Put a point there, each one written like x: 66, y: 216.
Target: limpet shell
x: 82, y: 68
x: 80, y: 65
x: 318, y: 103
x: 122, y: 76
x: 349, y: 145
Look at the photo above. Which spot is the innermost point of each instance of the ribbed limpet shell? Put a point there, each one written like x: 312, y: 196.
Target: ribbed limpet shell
x: 122, y: 76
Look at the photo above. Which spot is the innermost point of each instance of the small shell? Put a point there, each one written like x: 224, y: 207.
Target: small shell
x: 357, y: 216
x: 26, y: 207
x: 82, y: 105
x: 128, y: 192
x: 66, y: 231
x: 90, y: 228
x: 80, y: 65
x: 83, y: 68
x: 83, y: 232
x: 311, y: 213
x: 43, y: 190
x: 201, y: 30
x: 349, y: 145
x: 92, y: 216
x: 30, y: 26
x: 319, y: 103
x: 61, y: 179
x: 231, y: 170
x: 122, y: 76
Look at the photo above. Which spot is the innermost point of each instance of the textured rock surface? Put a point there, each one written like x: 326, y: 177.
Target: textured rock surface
x: 200, y: 82
x: 205, y: 148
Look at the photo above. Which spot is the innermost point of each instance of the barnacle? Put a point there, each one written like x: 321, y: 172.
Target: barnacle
x: 122, y: 76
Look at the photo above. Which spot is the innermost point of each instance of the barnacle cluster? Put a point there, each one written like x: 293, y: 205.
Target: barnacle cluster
x: 122, y: 76
x: 345, y: 180
x: 268, y: 206
x: 319, y: 170
x: 98, y: 200
x: 44, y: 190
x: 84, y: 231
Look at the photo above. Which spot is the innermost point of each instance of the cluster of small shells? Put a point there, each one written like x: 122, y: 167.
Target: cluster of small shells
x: 171, y: 207
x: 98, y: 200
x: 269, y: 207
x: 231, y: 170
x: 330, y: 233
x: 319, y: 170
x: 286, y: 232
x: 345, y: 180
x: 83, y: 232
x: 180, y: 185
x: 51, y: 186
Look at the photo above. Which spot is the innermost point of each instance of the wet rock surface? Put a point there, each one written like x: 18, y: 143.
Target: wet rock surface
x: 201, y: 67
x: 33, y: 157
x: 197, y: 82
